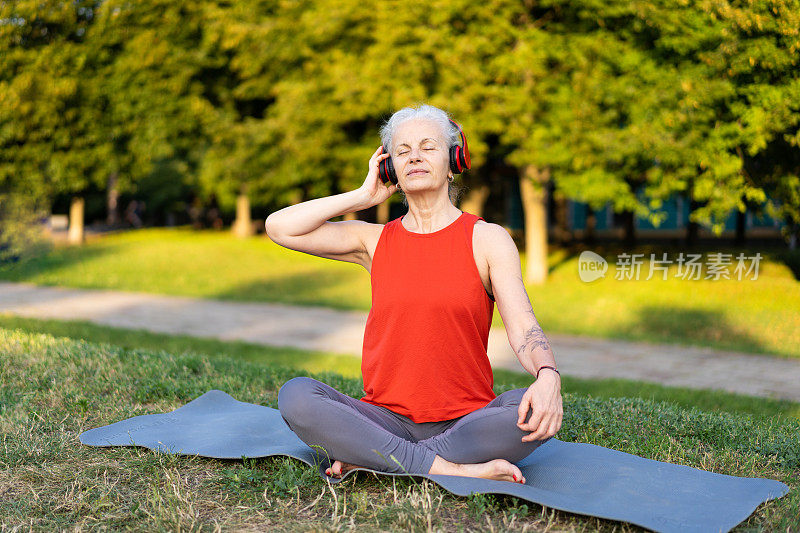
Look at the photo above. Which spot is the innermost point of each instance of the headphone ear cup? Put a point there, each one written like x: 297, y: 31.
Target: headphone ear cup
x: 386, y: 171
x: 382, y: 171
x: 454, y: 159
x: 459, y: 155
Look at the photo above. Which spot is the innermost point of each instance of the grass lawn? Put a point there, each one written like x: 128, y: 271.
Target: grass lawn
x: 758, y: 316
x: 350, y: 367
x: 53, y: 388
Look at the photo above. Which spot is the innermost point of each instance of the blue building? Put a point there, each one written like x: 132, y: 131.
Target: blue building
x: 608, y: 224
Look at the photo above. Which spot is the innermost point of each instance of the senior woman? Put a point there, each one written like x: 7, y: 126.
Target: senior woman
x: 436, y: 273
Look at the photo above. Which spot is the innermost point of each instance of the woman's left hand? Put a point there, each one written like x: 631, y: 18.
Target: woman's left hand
x: 544, y: 398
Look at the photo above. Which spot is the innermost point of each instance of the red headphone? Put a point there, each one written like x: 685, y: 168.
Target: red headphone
x: 459, y: 159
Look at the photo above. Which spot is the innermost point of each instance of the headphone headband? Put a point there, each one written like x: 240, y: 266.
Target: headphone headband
x: 464, y: 143
x: 459, y: 159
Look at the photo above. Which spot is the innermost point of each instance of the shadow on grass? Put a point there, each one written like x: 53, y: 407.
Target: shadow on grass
x: 566, y: 255
x: 790, y: 258
x: 688, y: 326
x: 179, y: 344
x: 303, y: 288
x: 57, y: 259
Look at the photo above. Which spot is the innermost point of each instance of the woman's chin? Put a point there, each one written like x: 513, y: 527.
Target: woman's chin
x: 420, y: 180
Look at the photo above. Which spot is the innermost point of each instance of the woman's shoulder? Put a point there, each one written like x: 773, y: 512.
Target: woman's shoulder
x: 491, y: 238
x: 489, y: 229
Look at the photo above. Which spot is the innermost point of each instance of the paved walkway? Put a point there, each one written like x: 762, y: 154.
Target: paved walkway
x: 318, y: 328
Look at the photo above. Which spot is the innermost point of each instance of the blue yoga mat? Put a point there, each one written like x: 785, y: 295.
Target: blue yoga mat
x: 575, y: 477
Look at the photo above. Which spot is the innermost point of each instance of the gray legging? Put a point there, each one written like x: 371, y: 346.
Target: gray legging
x: 375, y: 437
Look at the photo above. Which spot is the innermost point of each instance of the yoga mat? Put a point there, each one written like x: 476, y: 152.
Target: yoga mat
x: 575, y: 477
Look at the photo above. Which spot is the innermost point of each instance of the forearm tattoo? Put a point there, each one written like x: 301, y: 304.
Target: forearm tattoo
x: 534, y: 338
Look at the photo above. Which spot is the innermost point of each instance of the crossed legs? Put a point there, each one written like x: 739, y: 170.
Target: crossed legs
x: 359, y: 433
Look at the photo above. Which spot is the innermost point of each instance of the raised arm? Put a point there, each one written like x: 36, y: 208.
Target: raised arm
x: 304, y: 227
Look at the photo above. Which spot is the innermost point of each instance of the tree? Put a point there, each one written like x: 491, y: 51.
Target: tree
x: 154, y: 77
x: 98, y: 92
x: 47, y: 143
x: 735, y: 100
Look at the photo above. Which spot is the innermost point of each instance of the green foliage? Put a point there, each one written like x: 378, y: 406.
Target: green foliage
x: 250, y: 477
x: 623, y: 102
x: 480, y: 504
x: 21, y: 229
x: 46, y: 116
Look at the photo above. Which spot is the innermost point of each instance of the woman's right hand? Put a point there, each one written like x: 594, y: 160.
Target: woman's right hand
x: 374, y: 189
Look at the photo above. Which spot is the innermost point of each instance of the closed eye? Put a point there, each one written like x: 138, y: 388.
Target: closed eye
x: 404, y: 153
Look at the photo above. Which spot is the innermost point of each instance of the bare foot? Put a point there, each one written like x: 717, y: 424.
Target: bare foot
x: 498, y: 469
x: 339, y: 469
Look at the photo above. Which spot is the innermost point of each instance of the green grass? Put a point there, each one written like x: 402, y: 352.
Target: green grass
x: 52, y: 389
x: 758, y: 316
x: 348, y: 366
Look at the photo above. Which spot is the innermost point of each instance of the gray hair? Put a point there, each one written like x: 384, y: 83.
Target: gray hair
x: 450, y: 132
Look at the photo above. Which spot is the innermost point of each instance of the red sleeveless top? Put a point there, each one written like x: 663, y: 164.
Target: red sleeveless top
x: 424, y: 353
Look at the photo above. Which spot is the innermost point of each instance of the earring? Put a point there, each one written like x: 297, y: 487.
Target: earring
x: 451, y: 178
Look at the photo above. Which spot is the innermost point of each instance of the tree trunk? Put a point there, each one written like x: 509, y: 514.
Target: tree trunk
x: 590, y: 234
x: 350, y: 216
x: 475, y: 199
x: 741, y: 228
x: 629, y: 228
x: 112, y: 201
x: 532, y: 186
x: 563, y: 234
x: 693, y: 227
x: 75, y: 234
x: 243, y: 225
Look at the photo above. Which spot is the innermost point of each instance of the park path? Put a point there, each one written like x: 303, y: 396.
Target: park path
x: 323, y: 329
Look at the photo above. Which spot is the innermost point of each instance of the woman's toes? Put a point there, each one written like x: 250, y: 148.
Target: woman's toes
x: 513, y: 471
x: 333, y: 471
